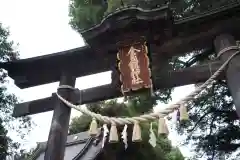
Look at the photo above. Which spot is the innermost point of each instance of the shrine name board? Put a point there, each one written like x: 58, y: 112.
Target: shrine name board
x: 134, y: 67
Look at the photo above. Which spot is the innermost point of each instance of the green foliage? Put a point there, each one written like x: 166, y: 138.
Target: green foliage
x: 79, y: 124
x: 3, y: 141
x: 113, y: 5
x: 185, y: 8
x: 6, y: 47
x: 175, y: 154
x: 7, y: 100
x: 87, y: 13
x: 24, y: 155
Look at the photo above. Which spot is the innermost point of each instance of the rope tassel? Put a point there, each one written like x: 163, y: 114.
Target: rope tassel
x: 183, y: 113
x: 93, y: 130
x: 137, y: 134
x: 113, y: 137
x: 162, y: 127
x: 124, y: 136
x: 105, y: 133
x: 152, y: 136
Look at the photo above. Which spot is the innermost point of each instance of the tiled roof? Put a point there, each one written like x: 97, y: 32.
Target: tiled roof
x: 78, y: 147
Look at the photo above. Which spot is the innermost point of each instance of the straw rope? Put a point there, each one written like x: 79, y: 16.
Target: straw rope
x: 226, y: 49
x: 150, y: 116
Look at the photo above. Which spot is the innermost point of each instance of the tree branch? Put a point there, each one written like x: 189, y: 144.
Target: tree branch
x: 196, y: 124
x: 210, y: 133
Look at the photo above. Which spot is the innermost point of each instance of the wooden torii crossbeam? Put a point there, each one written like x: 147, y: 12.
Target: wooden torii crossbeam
x: 191, y: 75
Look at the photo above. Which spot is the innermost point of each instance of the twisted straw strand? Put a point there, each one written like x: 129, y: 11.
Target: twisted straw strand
x: 150, y: 116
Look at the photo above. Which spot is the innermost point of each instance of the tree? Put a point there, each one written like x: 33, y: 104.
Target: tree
x: 132, y: 107
x: 3, y: 142
x: 86, y: 13
x: 214, y: 116
x: 7, y: 100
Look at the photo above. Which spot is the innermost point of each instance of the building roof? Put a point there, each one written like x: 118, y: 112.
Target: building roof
x: 78, y: 147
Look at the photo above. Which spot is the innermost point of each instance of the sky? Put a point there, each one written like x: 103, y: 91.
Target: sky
x: 41, y: 27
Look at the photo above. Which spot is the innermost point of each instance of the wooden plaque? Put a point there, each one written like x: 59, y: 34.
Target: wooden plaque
x: 134, y: 67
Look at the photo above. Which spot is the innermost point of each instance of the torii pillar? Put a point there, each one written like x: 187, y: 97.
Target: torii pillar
x: 57, y: 138
x: 226, y: 46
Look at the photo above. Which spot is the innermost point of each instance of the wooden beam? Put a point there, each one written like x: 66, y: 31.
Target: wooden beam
x: 47, y: 69
x: 28, y: 108
x: 81, y: 97
x: 192, y: 75
x: 225, y: 41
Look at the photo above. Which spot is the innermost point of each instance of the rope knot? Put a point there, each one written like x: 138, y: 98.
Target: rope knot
x: 227, y: 49
x: 65, y: 87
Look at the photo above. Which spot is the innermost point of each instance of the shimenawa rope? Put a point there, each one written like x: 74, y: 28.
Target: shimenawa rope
x: 150, y: 116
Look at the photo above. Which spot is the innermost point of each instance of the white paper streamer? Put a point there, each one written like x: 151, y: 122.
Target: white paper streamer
x: 105, y: 133
x: 152, y: 137
x: 124, y: 136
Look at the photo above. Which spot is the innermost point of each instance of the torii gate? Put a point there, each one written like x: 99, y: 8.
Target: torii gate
x: 215, y: 29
